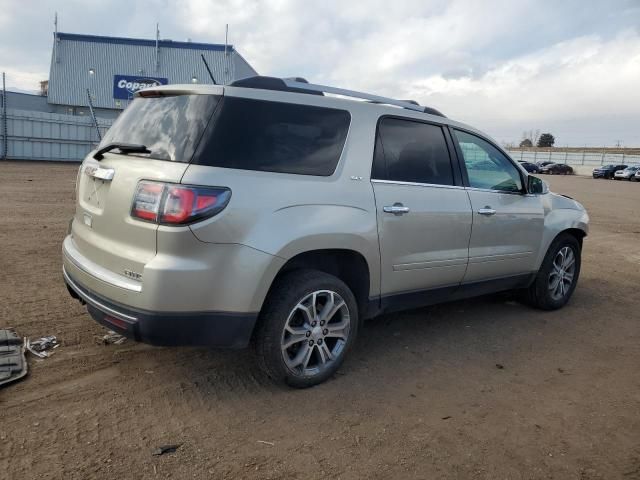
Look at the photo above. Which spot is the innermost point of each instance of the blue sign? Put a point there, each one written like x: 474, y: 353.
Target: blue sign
x: 124, y: 86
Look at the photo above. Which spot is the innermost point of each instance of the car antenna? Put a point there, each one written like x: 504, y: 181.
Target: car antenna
x: 208, y: 69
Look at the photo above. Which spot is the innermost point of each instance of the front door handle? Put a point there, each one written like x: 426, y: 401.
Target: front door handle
x: 397, y: 209
x: 488, y: 211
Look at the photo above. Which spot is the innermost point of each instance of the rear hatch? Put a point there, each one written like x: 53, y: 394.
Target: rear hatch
x: 169, y: 124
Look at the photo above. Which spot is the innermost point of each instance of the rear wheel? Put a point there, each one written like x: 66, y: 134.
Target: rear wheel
x: 558, y: 275
x: 307, y: 327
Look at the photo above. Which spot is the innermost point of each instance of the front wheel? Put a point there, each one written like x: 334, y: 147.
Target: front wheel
x: 307, y: 327
x: 558, y: 275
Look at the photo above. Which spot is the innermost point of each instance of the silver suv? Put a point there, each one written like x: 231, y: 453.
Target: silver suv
x: 283, y: 213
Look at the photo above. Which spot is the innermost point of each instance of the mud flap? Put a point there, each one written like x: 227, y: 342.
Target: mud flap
x: 13, y: 364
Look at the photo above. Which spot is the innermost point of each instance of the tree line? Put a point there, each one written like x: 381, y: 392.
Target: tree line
x: 531, y: 138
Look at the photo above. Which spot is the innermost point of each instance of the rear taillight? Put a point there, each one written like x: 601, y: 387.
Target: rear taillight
x: 170, y: 204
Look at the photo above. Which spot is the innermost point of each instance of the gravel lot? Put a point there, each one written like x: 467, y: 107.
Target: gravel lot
x: 422, y: 395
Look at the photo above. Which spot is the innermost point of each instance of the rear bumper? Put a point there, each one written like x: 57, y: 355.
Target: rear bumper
x: 217, y: 329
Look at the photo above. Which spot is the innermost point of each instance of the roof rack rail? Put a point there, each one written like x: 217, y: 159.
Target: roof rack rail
x: 409, y: 105
x: 300, y: 85
x: 273, y: 83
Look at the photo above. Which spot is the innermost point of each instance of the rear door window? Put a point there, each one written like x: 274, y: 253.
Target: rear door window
x: 408, y: 151
x: 279, y: 137
x: 169, y: 126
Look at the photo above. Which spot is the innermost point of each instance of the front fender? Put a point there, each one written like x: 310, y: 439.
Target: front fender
x: 558, y: 220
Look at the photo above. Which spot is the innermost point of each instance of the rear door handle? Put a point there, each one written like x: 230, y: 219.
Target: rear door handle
x: 396, y: 209
x: 488, y: 211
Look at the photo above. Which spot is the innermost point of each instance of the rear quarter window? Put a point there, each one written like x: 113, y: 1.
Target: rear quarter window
x: 278, y: 137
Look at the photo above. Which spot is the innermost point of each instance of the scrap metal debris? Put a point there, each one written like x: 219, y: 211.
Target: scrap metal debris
x: 41, y: 347
x: 112, y: 338
x: 166, y: 449
x: 13, y: 364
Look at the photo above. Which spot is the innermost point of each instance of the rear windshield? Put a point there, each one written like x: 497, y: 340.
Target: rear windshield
x: 170, y: 127
x: 274, y: 137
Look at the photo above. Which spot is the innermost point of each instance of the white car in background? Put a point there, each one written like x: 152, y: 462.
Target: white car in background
x: 628, y: 173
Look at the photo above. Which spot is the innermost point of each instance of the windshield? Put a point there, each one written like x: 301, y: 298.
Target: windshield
x: 170, y: 127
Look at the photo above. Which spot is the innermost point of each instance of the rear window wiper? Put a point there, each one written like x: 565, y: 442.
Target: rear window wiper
x: 123, y: 147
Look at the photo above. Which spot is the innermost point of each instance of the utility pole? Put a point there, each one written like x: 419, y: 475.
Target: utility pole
x: 55, y: 37
x: 157, y: 46
x: 5, y: 138
x: 226, y: 54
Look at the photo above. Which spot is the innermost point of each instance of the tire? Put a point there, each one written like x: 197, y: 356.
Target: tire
x: 540, y: 293
x: 307, y: 363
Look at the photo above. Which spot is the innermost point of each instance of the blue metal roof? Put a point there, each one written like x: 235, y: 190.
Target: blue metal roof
x: 142, y: 42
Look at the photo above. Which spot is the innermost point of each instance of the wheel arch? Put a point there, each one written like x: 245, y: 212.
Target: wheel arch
x: 563, y: 217
x: 348, y: 265
x: 575, y: 231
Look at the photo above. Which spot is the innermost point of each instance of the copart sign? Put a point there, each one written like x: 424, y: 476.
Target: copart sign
x: 124, y: 86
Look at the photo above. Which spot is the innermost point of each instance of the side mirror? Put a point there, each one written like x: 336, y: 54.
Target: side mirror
x: 536, y: 185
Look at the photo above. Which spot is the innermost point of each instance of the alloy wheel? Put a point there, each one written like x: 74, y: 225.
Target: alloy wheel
x: 562, y: 273
x: 316, y: 333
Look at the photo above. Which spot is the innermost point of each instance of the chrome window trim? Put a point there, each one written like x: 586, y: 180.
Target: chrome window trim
x: 489, y: 190
x: 417, y: 184
x: 95, y: 303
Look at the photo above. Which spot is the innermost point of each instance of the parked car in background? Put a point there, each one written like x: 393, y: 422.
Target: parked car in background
x: 636, y: 177
x: 557, y: 169
x: 607, y: 171
x: 208, y: 216
x: 530, y: 167
x: 544, y: 164
x: 627, y: 174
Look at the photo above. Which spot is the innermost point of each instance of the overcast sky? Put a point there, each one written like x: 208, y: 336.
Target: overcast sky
x: 568, y: 67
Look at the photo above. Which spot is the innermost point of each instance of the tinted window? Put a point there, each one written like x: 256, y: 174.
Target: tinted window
x: 411, y: 152
x: 275, y: 137
x: 486, y: 166
x: 168, y: 126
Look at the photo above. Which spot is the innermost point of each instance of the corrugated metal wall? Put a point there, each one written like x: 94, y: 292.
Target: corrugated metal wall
x: 50, y: 136
x: 73, y: 57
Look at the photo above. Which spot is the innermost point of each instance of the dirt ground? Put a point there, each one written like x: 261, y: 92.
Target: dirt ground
x: 422, y: 395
